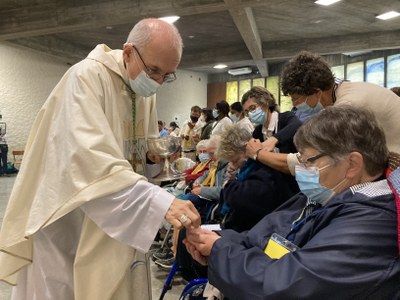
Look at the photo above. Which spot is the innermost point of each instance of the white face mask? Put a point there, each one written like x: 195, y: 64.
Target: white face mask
x: 143, y: 85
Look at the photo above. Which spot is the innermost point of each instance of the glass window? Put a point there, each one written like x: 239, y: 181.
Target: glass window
x: 376, y: 71
x: 259, y: 82
x: 355, y: 71
x: 393, y: 71
x: 338, y: 71
x: 232, y: 92
x: 273, y: 86
x: 286, y: 104
x: 244, y: 86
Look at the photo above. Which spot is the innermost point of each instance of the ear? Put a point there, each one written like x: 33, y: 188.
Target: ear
x: 128, y: 51
x: 356, y: 162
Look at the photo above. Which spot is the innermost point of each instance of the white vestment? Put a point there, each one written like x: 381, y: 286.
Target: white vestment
x: 78, y: 211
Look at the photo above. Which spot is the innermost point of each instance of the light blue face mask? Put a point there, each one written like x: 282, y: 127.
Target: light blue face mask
x: 258, y: 116
x: 143, y: 85
x: 308, y: 181
x: 307, y: 111
x: 203, y: 157
x: 215, y: 113
x: 234, y: 118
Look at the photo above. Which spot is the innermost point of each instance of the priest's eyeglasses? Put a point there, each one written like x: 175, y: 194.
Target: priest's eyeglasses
x: 153, y: 74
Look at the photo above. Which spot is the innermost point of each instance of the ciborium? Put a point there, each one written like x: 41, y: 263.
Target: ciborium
x: 165, y: 147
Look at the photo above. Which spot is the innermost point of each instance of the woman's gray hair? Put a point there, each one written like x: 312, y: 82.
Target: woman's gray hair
x: 233, y: 141
x: 142, y: 33
x: 213, y: 141
x: 201, y: 145
x: 338, y: 131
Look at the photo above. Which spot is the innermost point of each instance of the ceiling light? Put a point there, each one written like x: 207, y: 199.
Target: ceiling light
x: 326, y: 2
x: 170, y: 19
x: 388, y: 15
x: 240, y: 71
x: 220, y: 66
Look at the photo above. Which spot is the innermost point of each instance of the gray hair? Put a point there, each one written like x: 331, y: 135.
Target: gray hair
x: 213, y: 141
x: 338, y: 131
x: 143, y: 32
x: 202, y: 144
x: 233, y: 141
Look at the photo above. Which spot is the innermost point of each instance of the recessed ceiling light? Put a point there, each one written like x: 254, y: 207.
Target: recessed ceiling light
x: 388, y: 15
x: 191, y: 36
x: 220, y: 66
x: 109, y: 27
x: 170, y: 19
x: 326, y: 2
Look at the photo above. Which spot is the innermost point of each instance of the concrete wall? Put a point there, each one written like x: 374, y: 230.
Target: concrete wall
x: 175, y: 99
x: 26, y: 80
x: 28, y: 77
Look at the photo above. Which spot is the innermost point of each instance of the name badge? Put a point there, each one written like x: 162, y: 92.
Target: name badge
x: 278, y: 246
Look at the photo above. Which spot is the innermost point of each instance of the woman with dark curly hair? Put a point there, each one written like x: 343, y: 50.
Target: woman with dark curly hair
x: 309, y: 81
x: 221, y: 115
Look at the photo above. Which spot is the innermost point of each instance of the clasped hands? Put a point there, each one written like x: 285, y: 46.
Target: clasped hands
x: 254, y: 144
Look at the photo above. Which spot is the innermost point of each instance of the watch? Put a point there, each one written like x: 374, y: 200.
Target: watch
x: 256, y: 155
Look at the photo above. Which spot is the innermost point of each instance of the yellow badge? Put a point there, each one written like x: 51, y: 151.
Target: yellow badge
x: 278, y: 246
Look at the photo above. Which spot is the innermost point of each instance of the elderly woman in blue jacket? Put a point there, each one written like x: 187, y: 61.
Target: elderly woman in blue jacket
x: 337, y: 239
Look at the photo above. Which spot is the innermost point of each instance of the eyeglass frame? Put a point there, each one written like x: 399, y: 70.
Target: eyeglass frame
x: 167, y: 77
x: 311, y: 159
x: 247, y: 111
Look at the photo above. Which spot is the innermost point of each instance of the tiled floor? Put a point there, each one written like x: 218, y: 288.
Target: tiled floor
x: 158, y: 276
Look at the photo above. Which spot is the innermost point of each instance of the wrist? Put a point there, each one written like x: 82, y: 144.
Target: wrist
x: 255, y: 156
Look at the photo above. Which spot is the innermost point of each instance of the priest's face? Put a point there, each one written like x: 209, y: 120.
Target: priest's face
x: 158, y: 59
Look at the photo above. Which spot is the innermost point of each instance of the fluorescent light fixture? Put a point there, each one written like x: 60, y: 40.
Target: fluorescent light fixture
x: 326, y: 2
x: 220, y: 66
x: 170, y: 19
x: 240, y: 71
x: 389, y: 15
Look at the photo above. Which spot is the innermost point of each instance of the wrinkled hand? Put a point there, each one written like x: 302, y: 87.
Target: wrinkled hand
x: 181, y: 208
x: 202, y: 239
x: 252, y: 146
x: 195, y: 253
x: 270, y: 144
x: 196, y: 190
x: 196, y: 138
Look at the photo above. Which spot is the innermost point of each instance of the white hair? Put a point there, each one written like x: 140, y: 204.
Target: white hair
x: 142, y: 33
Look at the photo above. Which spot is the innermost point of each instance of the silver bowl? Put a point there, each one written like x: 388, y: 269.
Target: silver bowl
x: 164, y: 146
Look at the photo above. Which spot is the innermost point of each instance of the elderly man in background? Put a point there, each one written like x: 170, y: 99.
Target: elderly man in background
x: 79, y: 217
x: 309, y: 81
x: 338, y: 239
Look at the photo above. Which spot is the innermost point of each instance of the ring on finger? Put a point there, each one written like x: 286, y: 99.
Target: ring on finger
x: 183, y: 219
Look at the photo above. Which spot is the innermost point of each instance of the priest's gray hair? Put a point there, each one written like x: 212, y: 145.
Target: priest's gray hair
x: 339, y: 130
x: 142, y: 33
x: 233, y: 141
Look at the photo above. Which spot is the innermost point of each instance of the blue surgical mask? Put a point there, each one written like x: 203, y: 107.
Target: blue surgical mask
x: 215, y: 113
x: 308, y: 181
x: 234, y: 118
x: 143, y: 85
x: 203, y: 157
x: 258, y: 116
x: 306, y: 110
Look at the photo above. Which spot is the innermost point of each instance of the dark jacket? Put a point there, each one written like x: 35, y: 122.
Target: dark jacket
x: 348, y: 251
x: 258, y: 191
x: 206, y: 130
x: 288, y: 124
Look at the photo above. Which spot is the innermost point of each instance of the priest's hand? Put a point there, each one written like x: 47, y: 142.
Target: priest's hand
x: 182, y: 213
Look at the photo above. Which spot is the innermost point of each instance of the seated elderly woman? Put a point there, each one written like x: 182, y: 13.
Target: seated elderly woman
x: 335, y: 240
x: 200, y: 168
x: 256, y: 190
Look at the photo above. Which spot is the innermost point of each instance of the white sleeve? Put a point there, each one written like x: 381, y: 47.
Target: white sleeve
x: 133, y: 215
x: 292, y: 161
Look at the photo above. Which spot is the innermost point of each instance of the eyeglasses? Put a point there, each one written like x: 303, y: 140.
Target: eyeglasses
x: 250, y: 109
x: 309, y: 160
x: 153, y: 74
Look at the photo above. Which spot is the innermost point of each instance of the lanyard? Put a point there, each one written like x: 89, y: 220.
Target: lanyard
x: 299, y: 222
